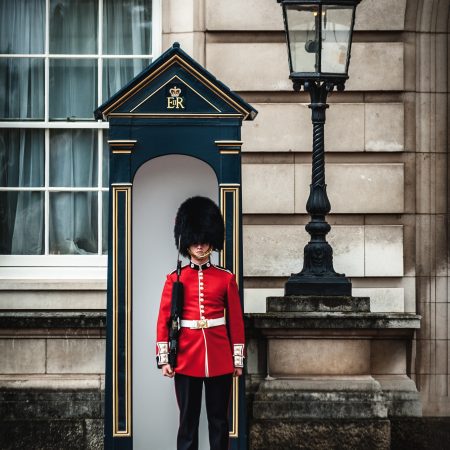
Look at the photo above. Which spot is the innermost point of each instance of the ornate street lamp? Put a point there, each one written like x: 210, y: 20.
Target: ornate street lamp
x: 319, y: 38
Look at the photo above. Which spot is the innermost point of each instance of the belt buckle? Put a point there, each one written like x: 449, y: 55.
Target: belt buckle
x: 203, y: 323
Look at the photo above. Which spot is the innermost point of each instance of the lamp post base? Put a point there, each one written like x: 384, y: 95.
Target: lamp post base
x: 318, y: 285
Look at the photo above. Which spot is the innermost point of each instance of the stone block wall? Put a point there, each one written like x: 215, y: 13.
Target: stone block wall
x: 387, y: 167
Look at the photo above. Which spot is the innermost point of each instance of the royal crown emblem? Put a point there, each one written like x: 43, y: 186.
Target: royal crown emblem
x: 175, y: 101
x: 175, y: 92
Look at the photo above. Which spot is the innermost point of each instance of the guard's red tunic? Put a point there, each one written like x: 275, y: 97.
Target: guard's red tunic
x: 210, y: 292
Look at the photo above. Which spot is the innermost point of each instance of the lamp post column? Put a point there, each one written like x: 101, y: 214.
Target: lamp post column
x: 318, y: 276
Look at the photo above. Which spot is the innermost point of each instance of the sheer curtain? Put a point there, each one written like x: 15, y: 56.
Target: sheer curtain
x: 73, y: 224
x: 22, y: 25
x: 21, y: 213
x: 73, y: 81
x: 73, y: 216
x: 22, y: 151
x: 127, y: 31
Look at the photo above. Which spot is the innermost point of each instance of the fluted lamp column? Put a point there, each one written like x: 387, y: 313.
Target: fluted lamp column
x: 319, y: 37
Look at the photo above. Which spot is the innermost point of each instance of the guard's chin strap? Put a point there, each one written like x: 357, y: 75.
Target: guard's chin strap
x: 178, y: 259
x: 202, y: 256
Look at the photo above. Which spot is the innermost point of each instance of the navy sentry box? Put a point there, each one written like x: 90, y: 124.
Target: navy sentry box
x: 173, y: 97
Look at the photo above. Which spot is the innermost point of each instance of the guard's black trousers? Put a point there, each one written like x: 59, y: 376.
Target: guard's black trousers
x: 189, y: 397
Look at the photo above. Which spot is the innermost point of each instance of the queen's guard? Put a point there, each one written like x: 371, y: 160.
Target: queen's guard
x: 200, y: 336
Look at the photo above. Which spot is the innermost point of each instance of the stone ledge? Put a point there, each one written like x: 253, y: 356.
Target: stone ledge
x: 51, y: 382
x: 333, y: 320
x: 357, y: 398
x: 401, y: 395
x: 318, y: 304
x: 37, y: 320
x: 24, y: 284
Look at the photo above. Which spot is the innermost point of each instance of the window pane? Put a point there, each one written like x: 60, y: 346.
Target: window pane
x: 127, y: 27
x: 22, y: 26
x: 21, y: 158
x: 73, y: 88
x: 73, y: 223
x: 304, y: 26
x: 336, y: 22
x: 105, y: 161
x: 21, y: 223
x: 105, y: 201
x: 118, y: 72
x: 73, y: 158
x: 22, y: 88
x: 73, y: 26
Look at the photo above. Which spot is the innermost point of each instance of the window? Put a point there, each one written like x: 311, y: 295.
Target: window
x: 60, y: 59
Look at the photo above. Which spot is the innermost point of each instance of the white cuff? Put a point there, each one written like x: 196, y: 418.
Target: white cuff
x: 238, y: 355
x: 163, y: 353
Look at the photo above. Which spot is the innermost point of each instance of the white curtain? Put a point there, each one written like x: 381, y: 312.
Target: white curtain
x: 73, y: 82
x: 22, y: 79
x: 21, y: 213
x: 22, y: 151
x: 73, y: 216
x: 127, y: 31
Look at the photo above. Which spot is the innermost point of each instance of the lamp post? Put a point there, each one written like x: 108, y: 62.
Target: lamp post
x: 319, y: 37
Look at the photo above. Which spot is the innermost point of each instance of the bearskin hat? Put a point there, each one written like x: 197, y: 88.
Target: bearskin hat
x: 198, y: 220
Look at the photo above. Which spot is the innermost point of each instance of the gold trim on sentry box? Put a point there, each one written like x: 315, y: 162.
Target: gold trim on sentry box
x: 122, y: 146
x: 177, y: 115
x: 234, y: 189
x: 170, y: 81
x: 177, y: 59
x: 121, y: 143
x: 117, y: 190
x: 228, y: 143
x: 234, y: 432
x: 229, y: 147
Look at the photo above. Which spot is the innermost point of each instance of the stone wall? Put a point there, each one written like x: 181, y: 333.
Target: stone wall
x: 387, y: 167
x: 52, y: 380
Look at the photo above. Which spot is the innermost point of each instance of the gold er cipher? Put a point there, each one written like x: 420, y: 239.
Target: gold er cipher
x: 175, y: 101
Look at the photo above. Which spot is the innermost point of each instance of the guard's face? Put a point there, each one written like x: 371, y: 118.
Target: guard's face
x: 199, y: 250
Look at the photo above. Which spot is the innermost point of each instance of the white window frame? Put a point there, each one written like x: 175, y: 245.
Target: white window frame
x: 49, y: 266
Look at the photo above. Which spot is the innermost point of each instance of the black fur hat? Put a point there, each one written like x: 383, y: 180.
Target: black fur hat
x: 198, y: 220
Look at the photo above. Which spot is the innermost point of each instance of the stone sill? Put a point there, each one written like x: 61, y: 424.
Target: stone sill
x: 332, y: 320
x: 65, y: 382
x: 22, y: 284
x: 38, y: 320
